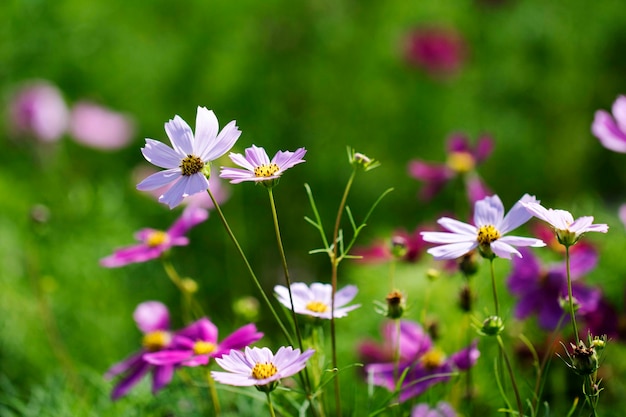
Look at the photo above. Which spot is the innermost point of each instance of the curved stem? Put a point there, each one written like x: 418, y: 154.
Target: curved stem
x: 572, y: 312
x: 250, y: 270
x: 334, y: 266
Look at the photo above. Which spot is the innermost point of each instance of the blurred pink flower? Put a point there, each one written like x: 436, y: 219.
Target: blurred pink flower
x: 441, y: 52
x: 38, y: 109
x: 218, y: 188
x: 611, y: 129
x: 410, y: 247
x: 98, y: 127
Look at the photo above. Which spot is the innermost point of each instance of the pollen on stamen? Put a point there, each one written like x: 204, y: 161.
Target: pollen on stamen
x: 266, y: 170
x: 192, y: 164
x: 433, y: 359
x: 156, y: 340
x: 461, y: 162
x: 264, y: 370
x: 203, y: 348
x: 317, y: 306
x: 487, y: 234
x: 156, y: 238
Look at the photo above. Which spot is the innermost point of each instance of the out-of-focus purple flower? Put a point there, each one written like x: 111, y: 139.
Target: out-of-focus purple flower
x: 259, y: 366
x: 488, y: 234
x: 423, y: 364
x: 413, y: 244
x: 441, y: 52
x: 413, y: 342
x: 98, y: 127
x: 611, y: 130
x: 622, y: 214
x: 38, y: 109
x: 568, y: 231
x: 197, y: 343
x: 219, y: 189
x: 443, y: 409
x: 604, y: 319
x: 259, y: 168
x: 187, y: 163
x: 462, y: 160
x: 315, y: 301
x: 539, y: 288
x: 155, y: 242
x: 152, y: 319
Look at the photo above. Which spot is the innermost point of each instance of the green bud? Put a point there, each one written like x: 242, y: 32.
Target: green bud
x: 395, y: 305
x: 492, y: 326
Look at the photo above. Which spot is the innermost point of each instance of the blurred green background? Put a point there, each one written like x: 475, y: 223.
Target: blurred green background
x: 315, y: 73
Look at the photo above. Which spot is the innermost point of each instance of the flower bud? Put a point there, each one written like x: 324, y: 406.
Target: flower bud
x: 395, y: 305
x: 189, y: 285
x: 492, y: 326
x: 584, y: 359
x: 361, y: 161
x: 468, y: 264
x: 466, y: 298
x: 399, y: 247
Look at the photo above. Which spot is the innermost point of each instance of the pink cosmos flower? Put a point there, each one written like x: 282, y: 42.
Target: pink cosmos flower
x: 443, y: 409
x: 197, y: 343
x: 98, y: 127
x: 38, y: 109
x: 155, y: 242
x: 440, y: 52
x: 568, y: 231
x: 412, y: 245
x: 259, y: 168
x: 187, y: 163
x: 487, y: 234
x: 462, y: 161
x: 259, y: 366
x: 152, y: 319
x: 315, y: 301
x: 611, y: 130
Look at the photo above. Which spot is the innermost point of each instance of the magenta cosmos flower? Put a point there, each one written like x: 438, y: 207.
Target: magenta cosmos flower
x: 258, y: 167
x: 259, y: 366
x: 412, y: 342
x: 197, y: 343
x: 442, y: 409
x: 315, y: 301
x: 38, y: 109
x: 187, y: 164
x: 407, y: 246
x: 611, y: 130
x: 540, y: 288
x: 441, y: 52
x: 567, y: 230
x: 153, y: 320
x: 487, y: 234
x: 462, y: 161
x: 155, y: 242
x: 421, y: 363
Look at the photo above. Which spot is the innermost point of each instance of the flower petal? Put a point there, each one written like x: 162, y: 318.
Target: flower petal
x: 207, y: 127
x: 223, y: 143
x: 180, y: 135
x: 458, y: 227
x: 452, y: 251
x: 151, y: 316
x: 159, y: 179
x: 161, y: 155
x: 608, y: 132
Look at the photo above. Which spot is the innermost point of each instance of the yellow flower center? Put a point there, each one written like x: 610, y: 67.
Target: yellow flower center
x: 157, y: 238
x: 203, y: 348
x: 191, y: 165
x: 433, y: 359
x: 487, y: 234
x: 266, y: 170
x: 461, y: 162
x: 156, y: 340
x: 317, y: 307
x: 263, y: 370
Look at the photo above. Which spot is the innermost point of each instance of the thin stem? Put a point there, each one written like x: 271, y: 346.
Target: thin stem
x: 250, y: 270
x: 270, y: 405
x: 572, y: 312
x: 213, y: 391
x: 513, y: 383
x: 189, y: 303
x: 334, y: 266
x: 494, y: 287
x: 281, y: 250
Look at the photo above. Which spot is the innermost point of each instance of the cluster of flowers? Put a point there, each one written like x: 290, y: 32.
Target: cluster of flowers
x: 38, y: 109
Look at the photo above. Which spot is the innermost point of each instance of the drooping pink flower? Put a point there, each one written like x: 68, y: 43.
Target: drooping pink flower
x: 98, y: 127
x: 39, y: 110
x: 153, y: 243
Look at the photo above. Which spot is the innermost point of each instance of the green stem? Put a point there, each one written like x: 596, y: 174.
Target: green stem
x: 250, y: 270
x: 572, y: 312
x: 334, y: 267
x: 270, y: 405
x: 189, y: 304
x: 281, y: 250
x: 494, y: 288
x: 214, y: 397
x: 512, y: 376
